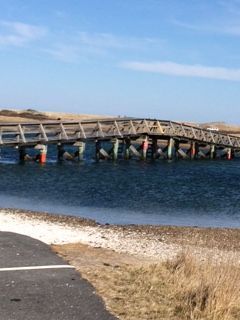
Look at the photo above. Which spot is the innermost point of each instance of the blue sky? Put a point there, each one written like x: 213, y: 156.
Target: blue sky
x: 170, y: 59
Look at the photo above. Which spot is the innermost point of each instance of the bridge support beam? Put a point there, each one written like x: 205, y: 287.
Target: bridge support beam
x: 170, y: 150
x: 115, y: 147
x: 144, y: 148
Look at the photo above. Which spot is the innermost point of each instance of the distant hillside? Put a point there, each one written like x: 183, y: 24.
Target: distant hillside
x: 222, y: 126
x: 26, y: 114
x: 10, y: 115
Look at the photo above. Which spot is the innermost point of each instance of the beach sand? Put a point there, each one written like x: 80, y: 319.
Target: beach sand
x: 155, y: 243
x: 127, y: 264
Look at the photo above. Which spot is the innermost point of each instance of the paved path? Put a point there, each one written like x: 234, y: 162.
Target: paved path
x: 42, y: 294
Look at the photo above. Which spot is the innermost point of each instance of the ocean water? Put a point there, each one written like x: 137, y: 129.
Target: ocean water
x: 195, y: 193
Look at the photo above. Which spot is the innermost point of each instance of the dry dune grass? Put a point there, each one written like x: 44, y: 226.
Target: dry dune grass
x: 179, y: 289
x: 183, y: 288
x: 204, y: 290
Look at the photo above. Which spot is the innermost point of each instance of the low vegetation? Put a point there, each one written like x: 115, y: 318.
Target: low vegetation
x: 179, y: 289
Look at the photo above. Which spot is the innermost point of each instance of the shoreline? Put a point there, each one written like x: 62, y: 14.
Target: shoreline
x: 149, y: 242
x: 134, y: 266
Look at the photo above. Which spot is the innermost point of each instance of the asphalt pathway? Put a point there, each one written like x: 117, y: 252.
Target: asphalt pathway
x: 41, y: 292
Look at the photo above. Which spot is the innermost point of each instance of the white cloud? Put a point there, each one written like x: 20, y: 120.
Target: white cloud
x: 226, y: 28
x: 221, y: 18
x: 18, y: 33
x: 86, y: 46
x: 176, y: 69
x: 108, y: 40
x: 65, y: 53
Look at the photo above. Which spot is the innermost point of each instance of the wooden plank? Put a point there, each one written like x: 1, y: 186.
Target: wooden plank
x: 104, y: 153
x: 161, y: 153
x: 135, y: 151
x: 183, y: 154
x: 202, y: 154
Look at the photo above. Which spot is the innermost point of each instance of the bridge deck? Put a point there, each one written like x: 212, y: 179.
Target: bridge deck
x: 17, y: 134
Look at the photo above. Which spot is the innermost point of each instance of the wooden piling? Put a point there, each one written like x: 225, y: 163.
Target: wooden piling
x: 43, y: 154
x: 144, y: 148
x: 193, y: 150
x: 212, y: 152
x: 81, y: 150
x: 177, y: 147
x: 115, y: 143
x: 170, y: 149
x: 22, y: 154
x: 154, y: 153
x: 127, y: 145
x: 98, y: 148
x: 229, y: 154
x: 60, y: 151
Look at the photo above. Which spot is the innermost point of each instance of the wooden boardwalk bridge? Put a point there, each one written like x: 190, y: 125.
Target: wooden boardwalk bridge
x: 129, y: 137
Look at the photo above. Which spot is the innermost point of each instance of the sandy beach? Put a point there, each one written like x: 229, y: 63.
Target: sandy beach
x: 155, y: 243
